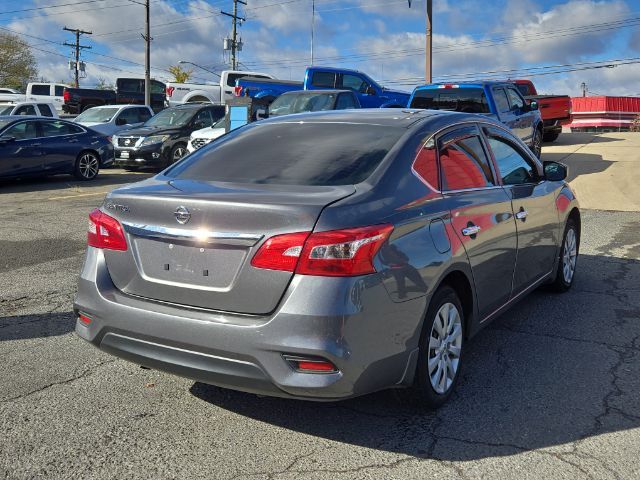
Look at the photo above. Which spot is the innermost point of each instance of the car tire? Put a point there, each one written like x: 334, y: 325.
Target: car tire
x: 87, y: 166
x: 439, y: 363
x: 551, y: 136
x: 536, y: 143
x: 177, y: 152
x: 568, y: 258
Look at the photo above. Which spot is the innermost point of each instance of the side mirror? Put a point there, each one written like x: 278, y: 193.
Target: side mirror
x: 533, y: 105
x: 121, y: 121
x: 555, y: 171
x: 370, y: 90
x: 5, y: 140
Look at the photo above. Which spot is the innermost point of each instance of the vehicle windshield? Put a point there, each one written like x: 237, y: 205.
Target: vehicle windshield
x: 286, y: 153
x: 469, y: 100
x: 171, y: 118
x: 302, y: 102
x: 6, y: 109
x: 97, y: 115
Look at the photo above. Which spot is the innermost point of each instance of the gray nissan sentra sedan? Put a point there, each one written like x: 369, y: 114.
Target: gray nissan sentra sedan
x: 327, y: 255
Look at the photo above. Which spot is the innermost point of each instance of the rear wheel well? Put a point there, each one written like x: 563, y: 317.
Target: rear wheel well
x: 88, y: 150
x: 575, y: 216
x: 460, y: 283
x: 199, y: 99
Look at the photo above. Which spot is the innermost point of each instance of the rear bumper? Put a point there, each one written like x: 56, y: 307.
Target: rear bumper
x: 351, y: 322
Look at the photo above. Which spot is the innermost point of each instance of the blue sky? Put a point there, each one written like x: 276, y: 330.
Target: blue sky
x: 384, y: 38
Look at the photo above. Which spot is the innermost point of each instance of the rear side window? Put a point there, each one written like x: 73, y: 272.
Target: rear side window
x: 323, y: 79
x: 232, y: 77
x: 500, y: 97
x: 426, y: 165
x: 26, y: 110
x: 40, y: 90
x: 45, y: 110
x: 292, y: 154
x: 469, y: 100
x: 463, y: 160
x: 57, y: 128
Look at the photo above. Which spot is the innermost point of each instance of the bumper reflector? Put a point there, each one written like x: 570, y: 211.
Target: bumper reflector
x: 310, y: 365
x: 84, y: 319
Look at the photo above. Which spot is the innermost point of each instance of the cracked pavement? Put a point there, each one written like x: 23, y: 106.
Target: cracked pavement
x: 549, y: 390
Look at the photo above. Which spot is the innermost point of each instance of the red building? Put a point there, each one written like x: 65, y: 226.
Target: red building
x: 603, y: 114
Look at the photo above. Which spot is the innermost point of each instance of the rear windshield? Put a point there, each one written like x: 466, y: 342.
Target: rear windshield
x: 470, y: 100
x: 292, y: 154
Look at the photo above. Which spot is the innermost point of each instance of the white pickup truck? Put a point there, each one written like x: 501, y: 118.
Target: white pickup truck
x: 38, y: 92
x: 178, y: 93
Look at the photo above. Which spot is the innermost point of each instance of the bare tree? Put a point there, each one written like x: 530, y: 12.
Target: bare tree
x: 17, y: 63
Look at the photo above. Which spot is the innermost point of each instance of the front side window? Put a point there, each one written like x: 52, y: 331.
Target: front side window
x: 514, y: 99
x: 157, y: 87
x: 26, y: 110
x: 345, y: 101
x: 131, y: 85
x: 40, y: 90
x: 22, y: 131
x: 514, y: 167
x: 143, y: 114
x: 129, y: 116
x: 323, y: 79
x: 463, y: 161
x: 355, y: 83
x: 203, y: 119
x: 500, y: 97
x: 293, y: 153
x: 45, y: 110
x: 59, y: 90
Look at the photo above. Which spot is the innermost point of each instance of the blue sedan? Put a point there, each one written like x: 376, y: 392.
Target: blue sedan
x: 48, y: 146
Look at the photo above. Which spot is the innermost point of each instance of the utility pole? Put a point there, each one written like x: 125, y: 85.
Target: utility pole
x: 313, y: 25
x: 584, y: 89
x: 234, y: 32
x: 77, y: 47
x: 147, y: 56
x: 428, y: 71
x: 429, y: 56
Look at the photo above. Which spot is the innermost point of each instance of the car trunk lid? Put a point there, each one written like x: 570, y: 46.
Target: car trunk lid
x: 191, y: 243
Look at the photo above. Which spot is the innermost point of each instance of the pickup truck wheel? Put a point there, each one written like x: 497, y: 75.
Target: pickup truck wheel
x: 87, y: 166
x: 536, y: 143
x: 551, y: 136
x: 177, y: 152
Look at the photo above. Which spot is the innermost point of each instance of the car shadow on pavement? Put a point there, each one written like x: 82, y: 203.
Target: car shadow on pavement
x: 109, y: 178
x: 579, y: 163
x: 552, y: 371
x: 581, y: 138
x: 42, y: 325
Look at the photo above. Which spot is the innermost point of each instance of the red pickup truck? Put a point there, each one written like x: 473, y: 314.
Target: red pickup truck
x: 555, y: 109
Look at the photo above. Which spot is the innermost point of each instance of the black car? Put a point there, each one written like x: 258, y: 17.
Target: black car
x: 163, y: 139
x: 48, y: 146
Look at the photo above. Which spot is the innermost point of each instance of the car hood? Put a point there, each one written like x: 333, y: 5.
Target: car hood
x: 208, y: 132
x: 146, y: 131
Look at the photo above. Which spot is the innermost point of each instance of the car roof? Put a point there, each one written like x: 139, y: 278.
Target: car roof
x: 25, y: 102
x: 473, y: 84
x: 194, y: 105
x: 310, y: 92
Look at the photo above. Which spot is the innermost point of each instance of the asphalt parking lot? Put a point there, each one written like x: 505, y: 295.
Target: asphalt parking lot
x: 550, y: 389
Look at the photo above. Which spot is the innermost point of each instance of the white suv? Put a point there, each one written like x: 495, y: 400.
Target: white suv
x: 39, y: 109
x: 201, y: 137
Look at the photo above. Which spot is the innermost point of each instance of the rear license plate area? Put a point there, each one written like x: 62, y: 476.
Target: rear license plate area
x: 208, y: 266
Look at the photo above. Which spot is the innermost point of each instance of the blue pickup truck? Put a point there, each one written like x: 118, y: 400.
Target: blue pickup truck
x: 501, y: 100
x: 370, y: 94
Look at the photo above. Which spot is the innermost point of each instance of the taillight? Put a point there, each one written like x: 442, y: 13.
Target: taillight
x: 170, y: 91
x: 105, y: 232
x: 336, y: 253
x: 237, y: 91
x: 280, y: 252
x: 66, y: 96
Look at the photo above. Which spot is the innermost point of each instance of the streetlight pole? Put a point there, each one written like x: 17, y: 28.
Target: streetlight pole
x: 147, y: 56
x: 429, y: 55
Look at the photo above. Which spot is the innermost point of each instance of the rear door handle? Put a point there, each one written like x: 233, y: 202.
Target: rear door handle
x: 471, y: 230
x: 73, y: 140
x: 522, y: 214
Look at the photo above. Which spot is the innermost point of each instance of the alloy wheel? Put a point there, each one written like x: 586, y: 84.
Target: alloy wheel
x: 178, y: 153
x: 569, y: 255
x: 445, y: 346
x: 88, y: 166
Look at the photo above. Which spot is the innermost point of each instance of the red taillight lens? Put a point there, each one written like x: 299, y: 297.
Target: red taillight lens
x: 310, y: 365
x: 84, y: 319
x: 105, y: 232
x: 336, y: 253
x: 66, y: 96
x: 280, y: 252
